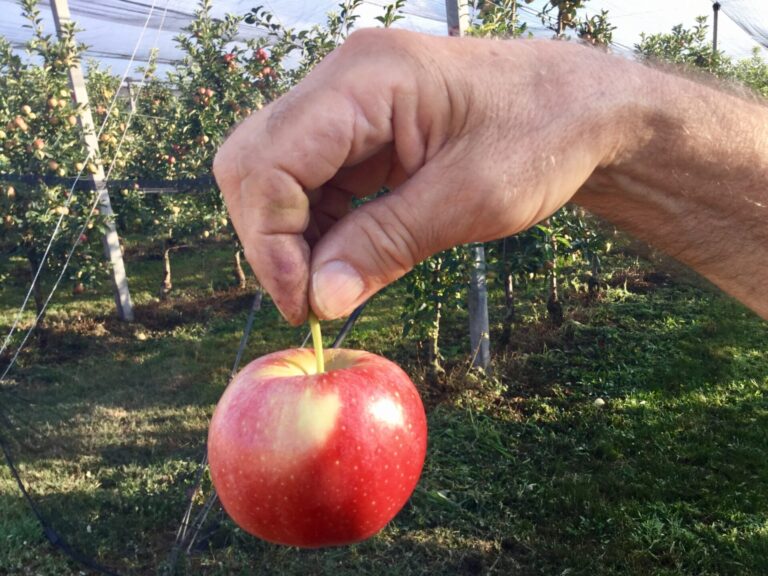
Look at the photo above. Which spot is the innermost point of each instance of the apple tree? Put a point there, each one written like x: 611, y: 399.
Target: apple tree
x: 308, y: 46
x: 184, y: 119
x: 685, y: 46
x: 436, y: 284
x: 41, y: 153
x: 498, y: 19
x: 753, y: 72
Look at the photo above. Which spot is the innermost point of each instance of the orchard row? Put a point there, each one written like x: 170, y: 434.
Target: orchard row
x: 168, y: 128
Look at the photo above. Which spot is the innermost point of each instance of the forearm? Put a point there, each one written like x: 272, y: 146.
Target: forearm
x: 692, y: 179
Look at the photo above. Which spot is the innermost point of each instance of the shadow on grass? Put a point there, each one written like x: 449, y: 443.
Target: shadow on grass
x: 525, y: 474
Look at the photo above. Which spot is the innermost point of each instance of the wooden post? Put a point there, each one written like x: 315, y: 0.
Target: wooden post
x: 457, y: 12
x: 716, y: 10
x: 61, y: 17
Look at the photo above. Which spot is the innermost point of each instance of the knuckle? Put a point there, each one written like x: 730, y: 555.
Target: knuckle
x: 395, y: 249
x: 361, y: 39
x: 280, y: 206
x: 376, y: 41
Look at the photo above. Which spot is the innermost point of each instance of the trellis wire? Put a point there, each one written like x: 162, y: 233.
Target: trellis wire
x: 95, y: 203
x: 68, y: 201
x: 181, y: 533
x: 49, y: 532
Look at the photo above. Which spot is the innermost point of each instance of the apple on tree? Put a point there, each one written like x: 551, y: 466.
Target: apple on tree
x: 318, y: 448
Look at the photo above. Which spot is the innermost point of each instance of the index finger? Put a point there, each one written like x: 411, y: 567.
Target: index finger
x: 339, y: 116
x: 263, y: 171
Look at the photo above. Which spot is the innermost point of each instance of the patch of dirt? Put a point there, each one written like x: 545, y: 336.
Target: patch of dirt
x: 169, y: 314
x: 65, y: 335
x: 639, y: 282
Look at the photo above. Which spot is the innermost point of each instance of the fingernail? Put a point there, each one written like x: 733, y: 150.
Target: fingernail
x: 336, y: 286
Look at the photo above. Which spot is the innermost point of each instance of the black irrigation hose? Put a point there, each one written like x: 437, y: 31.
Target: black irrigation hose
x: 49, y: 532
x: 181, y: 533
x: 182, y: 542
x: 348, y: 325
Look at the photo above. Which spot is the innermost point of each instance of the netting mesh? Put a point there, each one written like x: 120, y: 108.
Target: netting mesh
x: 147, y: 470
x: 751, y: 16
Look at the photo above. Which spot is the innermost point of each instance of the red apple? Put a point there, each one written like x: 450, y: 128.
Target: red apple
x: 20, y: 123
x: 312, y: 460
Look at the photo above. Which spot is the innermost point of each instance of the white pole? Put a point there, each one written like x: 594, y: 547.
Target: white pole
x: 457, y: 12
x: 111, y: 242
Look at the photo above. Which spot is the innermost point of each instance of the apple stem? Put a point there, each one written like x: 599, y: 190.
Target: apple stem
x: 317, y: 340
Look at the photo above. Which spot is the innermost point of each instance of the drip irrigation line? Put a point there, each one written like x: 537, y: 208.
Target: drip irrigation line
x: 14, y: 420
x: 53, y: 537
x: 181, y: 533
x: 347, y: 327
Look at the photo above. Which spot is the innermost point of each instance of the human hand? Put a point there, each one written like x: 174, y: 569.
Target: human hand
x: 477, y: 139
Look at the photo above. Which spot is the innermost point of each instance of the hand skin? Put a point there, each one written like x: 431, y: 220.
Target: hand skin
x: 480, y: 139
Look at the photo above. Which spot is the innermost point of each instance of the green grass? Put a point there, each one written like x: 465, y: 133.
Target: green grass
x: 524, y: 473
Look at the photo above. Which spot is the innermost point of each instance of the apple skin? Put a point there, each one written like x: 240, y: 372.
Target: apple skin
x: 314, y: 460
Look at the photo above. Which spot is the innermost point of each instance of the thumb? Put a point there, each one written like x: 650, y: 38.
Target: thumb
x: 376, y: 244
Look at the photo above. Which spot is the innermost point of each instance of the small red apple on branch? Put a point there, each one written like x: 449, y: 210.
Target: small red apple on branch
x: 317, y: 448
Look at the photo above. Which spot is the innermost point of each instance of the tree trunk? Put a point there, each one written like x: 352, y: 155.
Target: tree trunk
x: 239, y: 273
x: 509, y: 298
x: 509, y: 309
x: 554, y: 306
x: 167, y: 285
x: 37, y: 295
x: 435, y: 367
x: 560, y: 23
x: 594, y: 279
x: 37, y: 290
